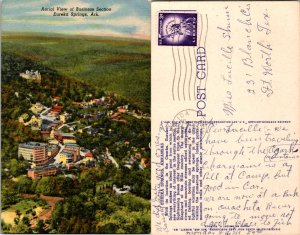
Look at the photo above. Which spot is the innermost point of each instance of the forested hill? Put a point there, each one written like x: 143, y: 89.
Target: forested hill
x: 89, y: 204
x: 113, y: 65
x: 17, y: 95
x: 53, y: 83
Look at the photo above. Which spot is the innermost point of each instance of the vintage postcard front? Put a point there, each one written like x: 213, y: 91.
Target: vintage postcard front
x: 225, y: 118
x: 75, y: 117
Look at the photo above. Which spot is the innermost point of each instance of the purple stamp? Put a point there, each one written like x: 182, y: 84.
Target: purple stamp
x: 177, y: 29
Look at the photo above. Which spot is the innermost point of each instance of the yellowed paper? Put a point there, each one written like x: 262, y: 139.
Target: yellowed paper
x: 225, y: 118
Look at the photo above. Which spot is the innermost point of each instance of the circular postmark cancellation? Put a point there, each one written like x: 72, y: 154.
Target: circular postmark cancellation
x: 188, y: 118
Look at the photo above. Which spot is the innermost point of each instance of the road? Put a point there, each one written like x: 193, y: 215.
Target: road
x: 43, y: 115
x: 67, y: 124
x: 112, y: 159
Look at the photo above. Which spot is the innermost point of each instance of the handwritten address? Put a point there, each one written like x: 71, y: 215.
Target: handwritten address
x: 254, y: 84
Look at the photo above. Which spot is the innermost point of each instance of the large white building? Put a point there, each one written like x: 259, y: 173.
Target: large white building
x: 31, y: 75
x: 34, y: 152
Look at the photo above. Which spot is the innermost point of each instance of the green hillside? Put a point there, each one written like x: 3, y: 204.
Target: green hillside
x: 114, y: 65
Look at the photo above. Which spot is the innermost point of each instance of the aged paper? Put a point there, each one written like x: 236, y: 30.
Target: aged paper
x: 75, y: 117
x: 225, y: 118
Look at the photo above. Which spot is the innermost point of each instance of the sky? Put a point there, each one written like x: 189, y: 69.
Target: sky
x: 127, y: 18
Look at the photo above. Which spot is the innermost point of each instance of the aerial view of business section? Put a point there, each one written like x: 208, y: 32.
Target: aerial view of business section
x: 75, y: 128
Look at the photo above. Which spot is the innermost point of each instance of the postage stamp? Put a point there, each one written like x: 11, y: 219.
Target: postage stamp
x: 177, y: 29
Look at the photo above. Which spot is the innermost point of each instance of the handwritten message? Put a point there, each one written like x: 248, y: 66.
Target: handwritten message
x: 225, y: 178
x: 259, y: 154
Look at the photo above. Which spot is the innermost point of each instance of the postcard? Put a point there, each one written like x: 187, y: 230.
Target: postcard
x: 75, y: 117
x: 225, y: 117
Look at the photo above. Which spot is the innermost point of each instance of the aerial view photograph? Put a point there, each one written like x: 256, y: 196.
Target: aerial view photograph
x: 75, y: 117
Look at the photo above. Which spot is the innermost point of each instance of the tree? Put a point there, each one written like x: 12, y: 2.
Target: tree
x: 40, y: 226
x: 134, y: 203
x: 14, y: 167
x: 33, y: 213
x: 24, y: 185
x: 17, y: 218
x: 5, y: 227
x: 20, y: 228
x: 26, y: 221
x: 45, y: 186
x: 9, y: 195
x: 141, y: 183
x: 108, y: 228
x: 18, y: 213
x: 57, y: 215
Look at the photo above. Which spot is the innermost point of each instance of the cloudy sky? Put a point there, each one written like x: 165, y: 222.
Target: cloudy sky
x: 127, y: 18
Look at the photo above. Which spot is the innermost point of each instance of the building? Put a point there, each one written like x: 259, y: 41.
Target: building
x: 39, y: 172
x: 64, y: 117
x: 89, y: 155
x: 53, y: 141
x: 37, y: 107
x: 123, y: 190
x: 122, y: 109
x: 56, y: 98
x: 34, y: 152
x: 69, y: 141
x: 45, y: 134
x: 70, y: 165
x: 53, y: 150
x: 56, y: 109
x: 52, y: 134
x: 23, y: 118
x: 32, y: 76
x: 107, y: 161
x: 78, y: 104
x: 64, y: 138
x: 67, y: 156
x: 34, y: 122
x: 144, y: 163
x: 75, y: 148
x: 94, y: 102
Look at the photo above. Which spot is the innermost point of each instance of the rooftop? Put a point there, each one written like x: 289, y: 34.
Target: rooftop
x: 89, y: 154
x: 65, y: 151
x: 39, y: 168
x: 67, y: 135
x: 32, y: 145
x: 71, y: 145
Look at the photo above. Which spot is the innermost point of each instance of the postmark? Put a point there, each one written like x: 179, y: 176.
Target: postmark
x: 188, y: 118
x: 177, y: 28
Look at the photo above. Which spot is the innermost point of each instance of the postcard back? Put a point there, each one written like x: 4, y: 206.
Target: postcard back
x: 225, y: 118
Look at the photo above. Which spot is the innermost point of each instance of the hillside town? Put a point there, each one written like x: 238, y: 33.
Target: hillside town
x: 75, y: 135
x: 60, y: 150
